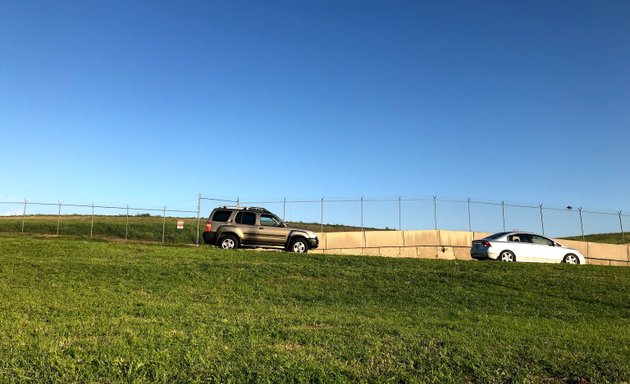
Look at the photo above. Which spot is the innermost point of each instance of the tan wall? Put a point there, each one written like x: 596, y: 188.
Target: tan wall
x: 421, y: 237
x: 608, y: 251
x: 456, y: 238
x: 383, y: 239
x: 449, y: 245
x: 344, y: 240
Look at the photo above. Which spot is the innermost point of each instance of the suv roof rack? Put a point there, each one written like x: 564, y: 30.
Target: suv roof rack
x: 261, y: 209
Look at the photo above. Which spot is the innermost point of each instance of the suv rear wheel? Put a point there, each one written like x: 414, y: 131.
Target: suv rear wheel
x: 298, y: 245
x: 228, y: 242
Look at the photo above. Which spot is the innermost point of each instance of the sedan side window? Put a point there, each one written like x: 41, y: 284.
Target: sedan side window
x: 541, y: 240
x: 520, y: 238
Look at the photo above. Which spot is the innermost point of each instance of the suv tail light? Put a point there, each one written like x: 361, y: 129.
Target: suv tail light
x: 208, y: 226
x: 486, y: 244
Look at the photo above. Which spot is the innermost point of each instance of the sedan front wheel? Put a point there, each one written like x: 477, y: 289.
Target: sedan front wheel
x: 571, y: 259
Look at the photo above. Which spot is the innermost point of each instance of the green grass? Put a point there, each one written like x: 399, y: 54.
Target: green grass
x: 92, y: 311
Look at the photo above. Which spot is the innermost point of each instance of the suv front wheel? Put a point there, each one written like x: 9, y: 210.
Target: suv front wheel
x: 298, y: 245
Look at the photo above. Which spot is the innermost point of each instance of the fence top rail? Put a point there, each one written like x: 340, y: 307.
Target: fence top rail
x: 559, y: 209
x: 485, y: 203
x: 213, y: 199
x: 435, y: 198
x: 605, y: 213
x: 98, y: 206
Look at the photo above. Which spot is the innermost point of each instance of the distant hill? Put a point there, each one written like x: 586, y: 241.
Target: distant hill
x: 317, y: 227
x: 608, y: 238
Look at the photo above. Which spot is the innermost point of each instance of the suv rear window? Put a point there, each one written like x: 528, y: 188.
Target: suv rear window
x: 222, y: 216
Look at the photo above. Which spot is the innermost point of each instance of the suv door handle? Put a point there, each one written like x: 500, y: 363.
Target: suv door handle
x: 261, y: 228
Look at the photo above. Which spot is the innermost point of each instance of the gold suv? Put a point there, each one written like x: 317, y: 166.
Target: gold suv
x: 234, y: 227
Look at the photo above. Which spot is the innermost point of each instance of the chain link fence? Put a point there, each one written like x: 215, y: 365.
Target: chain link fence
x: 167, y: 225
x: 403, y: 213
x: 99, y: 221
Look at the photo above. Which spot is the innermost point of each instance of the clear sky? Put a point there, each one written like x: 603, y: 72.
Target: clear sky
x: 152, y: 102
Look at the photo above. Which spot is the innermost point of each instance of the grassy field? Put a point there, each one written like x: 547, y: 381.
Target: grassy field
x: 74, y: 310
x: 139, y: 227
x: 149, y: 228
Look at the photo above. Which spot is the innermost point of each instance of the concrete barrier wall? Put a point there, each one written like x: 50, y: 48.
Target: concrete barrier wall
x: 384, y: 239
x: 421, y: 237
x: 608, y: 254
x: 448, y: 245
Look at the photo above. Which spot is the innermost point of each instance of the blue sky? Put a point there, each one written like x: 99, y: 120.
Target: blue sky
x: 152, y: 102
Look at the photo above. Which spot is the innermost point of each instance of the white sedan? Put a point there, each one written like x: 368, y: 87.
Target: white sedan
x: 524, y: 246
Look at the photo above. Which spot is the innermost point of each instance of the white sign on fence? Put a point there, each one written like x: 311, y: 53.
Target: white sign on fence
x: 180, y: 224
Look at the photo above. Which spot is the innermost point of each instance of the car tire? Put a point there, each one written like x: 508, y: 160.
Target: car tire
x: 298, y: 245
x: 507, y: 256
x: 228, y: 241
x: 571, y: 259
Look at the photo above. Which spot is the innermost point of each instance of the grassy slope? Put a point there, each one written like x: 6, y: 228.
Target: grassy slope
x: 73, y: 310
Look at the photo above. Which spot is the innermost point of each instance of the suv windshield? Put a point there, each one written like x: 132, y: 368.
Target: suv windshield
x: 270, y: 221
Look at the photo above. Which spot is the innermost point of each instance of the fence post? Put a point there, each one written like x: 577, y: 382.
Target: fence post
x: 400, y: 213
x: 542, y: 222
x: 581, y: 224
x: 163, y: 223
x: 198, y: 215
x: 623, y: 238
x: 238, y: 201
x: 24, y: 215
x: 503, y: 213
x: 127, y: 223
x: 435, y: 211
x: 469, y: 221
x: 284, y: 209
x: 58, y: 217
x: 321, y: 228
x: 362, y: 227
x: 92, y: 224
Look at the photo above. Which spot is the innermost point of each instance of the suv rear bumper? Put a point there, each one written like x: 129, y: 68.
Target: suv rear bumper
x: 210, y: 238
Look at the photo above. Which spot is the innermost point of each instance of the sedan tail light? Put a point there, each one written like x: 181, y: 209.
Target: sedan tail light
x: 486, y: 244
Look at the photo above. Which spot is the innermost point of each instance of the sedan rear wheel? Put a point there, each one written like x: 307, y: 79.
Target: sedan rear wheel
x: 507, y: 256
x: 571, y: 259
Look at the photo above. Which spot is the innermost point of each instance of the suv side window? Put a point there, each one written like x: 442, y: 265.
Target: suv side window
x: 221, y: 216
x: 270, y: 221
x: 247, y: 218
